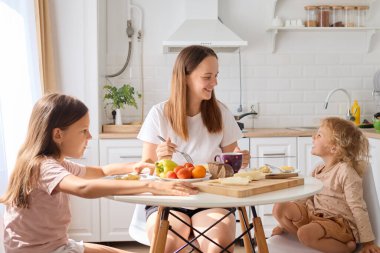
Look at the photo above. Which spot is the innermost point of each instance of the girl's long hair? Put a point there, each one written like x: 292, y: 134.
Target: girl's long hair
x: 352, y: 145
x: 176, y: 107
x: 51, y: 111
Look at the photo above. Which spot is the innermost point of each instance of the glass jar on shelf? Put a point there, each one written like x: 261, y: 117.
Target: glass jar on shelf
x: 311, y: 16
x: 324, y: 16
x: 336, y: 17
x: 349, y: 16
x: 361, y: 15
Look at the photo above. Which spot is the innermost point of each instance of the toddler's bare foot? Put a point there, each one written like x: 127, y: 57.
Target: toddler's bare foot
x: 277, y: 230
x: 351, y: 245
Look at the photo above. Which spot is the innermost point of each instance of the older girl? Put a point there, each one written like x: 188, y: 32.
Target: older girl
x: 37, y: 199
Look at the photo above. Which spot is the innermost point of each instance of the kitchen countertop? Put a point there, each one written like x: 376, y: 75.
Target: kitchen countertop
x: 254, y: 133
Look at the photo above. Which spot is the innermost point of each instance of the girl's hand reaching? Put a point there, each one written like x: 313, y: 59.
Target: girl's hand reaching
x: 165, y: 150
x: 138, y: 167
x: 370, y: 247
x: 172, y: 188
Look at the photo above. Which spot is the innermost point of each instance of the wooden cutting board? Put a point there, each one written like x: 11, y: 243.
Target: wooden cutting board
x: 253, y: 188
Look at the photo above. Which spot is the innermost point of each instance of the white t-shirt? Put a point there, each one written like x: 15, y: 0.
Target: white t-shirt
x: 202, y: 146
x: 42, y: 227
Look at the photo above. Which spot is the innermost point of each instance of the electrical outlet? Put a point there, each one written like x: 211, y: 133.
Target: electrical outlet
x: 255, y: 107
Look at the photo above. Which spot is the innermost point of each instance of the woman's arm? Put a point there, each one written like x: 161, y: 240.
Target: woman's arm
x: 95, y: 188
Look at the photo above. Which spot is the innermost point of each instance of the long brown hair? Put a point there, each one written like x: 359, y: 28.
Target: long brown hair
x: 176, y: 107
x: 51, y: 111
x: 352, y: 145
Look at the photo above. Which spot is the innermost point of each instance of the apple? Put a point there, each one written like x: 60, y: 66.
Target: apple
x: 189, y: 166
x: 184, y: 173
x: 171, y: 174
x: 176, y: 169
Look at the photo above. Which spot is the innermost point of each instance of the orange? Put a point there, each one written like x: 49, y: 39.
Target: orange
x: 199, y: 171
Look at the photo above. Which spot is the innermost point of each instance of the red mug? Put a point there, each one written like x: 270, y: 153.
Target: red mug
x: 233, y: 159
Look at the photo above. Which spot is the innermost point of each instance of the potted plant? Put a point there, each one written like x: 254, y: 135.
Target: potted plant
x: 120, y: 97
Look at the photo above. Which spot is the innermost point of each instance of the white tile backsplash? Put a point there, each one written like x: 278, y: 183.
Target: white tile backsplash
x: 291, y: 84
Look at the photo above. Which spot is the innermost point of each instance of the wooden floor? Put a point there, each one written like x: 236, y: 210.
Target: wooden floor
x: 139, y: 248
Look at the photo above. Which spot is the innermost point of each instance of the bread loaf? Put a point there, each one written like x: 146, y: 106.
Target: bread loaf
x: 220, y: 170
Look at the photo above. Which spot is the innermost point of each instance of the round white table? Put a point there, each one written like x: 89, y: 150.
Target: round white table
x: 206, y: 200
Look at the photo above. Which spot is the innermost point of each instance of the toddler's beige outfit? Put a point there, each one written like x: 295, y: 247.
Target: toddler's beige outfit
x: 339, y: 208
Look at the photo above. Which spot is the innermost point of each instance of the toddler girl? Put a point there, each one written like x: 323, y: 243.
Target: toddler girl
x: 336, y: 218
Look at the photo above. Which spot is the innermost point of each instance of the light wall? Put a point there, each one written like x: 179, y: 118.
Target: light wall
x: 290, y: 84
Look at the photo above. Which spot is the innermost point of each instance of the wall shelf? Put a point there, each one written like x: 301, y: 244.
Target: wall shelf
x: 274, y: 5
x: 369, y: 31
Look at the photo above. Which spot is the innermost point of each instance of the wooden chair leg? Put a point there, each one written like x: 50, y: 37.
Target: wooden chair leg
x: 244, y: 217
x: 260, y: 236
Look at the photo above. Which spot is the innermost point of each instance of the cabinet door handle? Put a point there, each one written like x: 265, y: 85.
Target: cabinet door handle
x: 129, y: 156
x: 274, y: 154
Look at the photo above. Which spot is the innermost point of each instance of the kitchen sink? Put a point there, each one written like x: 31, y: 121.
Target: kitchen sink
x: 305, y: 128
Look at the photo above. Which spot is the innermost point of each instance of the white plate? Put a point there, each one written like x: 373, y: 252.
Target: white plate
x: 276, y: 173
x: 142, y: 176
x: 190, y: 180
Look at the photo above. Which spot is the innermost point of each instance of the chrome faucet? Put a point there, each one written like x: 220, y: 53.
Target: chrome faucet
x: 252, y: 112
x: 348, y: 114
x: 239, y: 117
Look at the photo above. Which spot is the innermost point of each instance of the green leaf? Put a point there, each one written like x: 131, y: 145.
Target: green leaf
x: 125, y: 95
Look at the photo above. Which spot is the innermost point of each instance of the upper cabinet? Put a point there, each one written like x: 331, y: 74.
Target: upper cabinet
x: 290, y: 16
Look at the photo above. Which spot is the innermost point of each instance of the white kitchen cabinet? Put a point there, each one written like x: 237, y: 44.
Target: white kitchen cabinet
x: 85, y: 223
x: 306, y: 162
x: 375, y: 162
x: 115, y: 217
x: 278, y: 151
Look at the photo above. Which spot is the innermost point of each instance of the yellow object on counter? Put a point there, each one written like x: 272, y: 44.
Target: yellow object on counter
x: 355, y: 111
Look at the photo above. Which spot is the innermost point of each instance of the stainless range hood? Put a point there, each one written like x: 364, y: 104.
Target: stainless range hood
x: 202, y: 27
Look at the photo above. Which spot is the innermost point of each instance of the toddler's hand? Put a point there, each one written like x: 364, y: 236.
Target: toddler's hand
x: 165, y: 150
x: 370, y: 248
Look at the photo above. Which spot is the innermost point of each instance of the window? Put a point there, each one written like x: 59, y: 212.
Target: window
x: 19, y: 84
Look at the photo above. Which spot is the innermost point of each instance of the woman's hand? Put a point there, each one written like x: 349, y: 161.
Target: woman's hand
x: 370, y: 247
x: 246, y: 156
x: 138, y: 167
x: 165, y: 149
x: 172, y: 188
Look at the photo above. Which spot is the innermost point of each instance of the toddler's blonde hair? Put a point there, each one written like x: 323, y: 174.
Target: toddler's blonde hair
x: 352, y: 146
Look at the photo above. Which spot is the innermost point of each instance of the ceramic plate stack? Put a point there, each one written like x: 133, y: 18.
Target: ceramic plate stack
x: 376, y: 89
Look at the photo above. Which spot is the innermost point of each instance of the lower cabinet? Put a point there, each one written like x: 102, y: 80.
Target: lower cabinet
x: 277, y: 151
x: 115, y: 216
x: 375, y: 162
x: 85, y: 222
x: 306, y: 161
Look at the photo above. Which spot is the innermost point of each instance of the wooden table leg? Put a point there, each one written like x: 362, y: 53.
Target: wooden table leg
x: 160, y: 231
x: 246, y: 239
x: 153, y: 244
x: 259, y: 233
